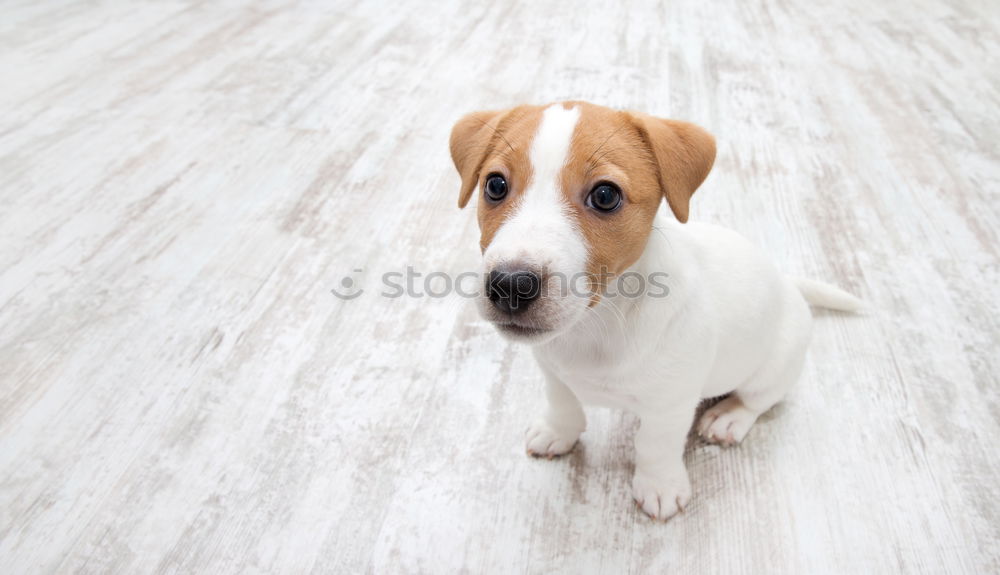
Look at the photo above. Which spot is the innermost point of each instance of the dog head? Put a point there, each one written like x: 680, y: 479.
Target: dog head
x: 567, y: 194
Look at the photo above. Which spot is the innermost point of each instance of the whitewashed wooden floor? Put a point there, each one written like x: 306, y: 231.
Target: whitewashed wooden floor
x: 182, y: 185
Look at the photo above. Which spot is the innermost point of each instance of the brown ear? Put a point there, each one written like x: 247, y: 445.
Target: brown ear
x: 684, y: 155
x: 470, y: 140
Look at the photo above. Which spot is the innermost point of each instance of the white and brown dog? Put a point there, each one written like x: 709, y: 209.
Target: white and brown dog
x: 568, y: 197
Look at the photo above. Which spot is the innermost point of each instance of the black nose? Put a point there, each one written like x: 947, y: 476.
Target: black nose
x: 512, y: 291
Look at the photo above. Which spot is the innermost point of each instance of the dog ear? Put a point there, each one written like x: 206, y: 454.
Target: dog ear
x: 684, y: 154
x: 470, y: 140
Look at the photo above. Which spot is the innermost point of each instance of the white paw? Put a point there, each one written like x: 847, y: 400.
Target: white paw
x: 727, y: 422
x: 545, y: 440
x: 661, y: 498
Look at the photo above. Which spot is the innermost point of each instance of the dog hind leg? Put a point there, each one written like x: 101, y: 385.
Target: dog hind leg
x: 728, y: 421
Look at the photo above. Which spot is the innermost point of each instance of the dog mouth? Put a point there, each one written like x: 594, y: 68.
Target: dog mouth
x: 519, y: 330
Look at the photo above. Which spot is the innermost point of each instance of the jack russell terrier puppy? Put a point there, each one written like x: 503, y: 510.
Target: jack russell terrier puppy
x: 568, y: 202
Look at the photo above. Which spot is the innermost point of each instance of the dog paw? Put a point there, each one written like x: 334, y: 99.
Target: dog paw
x: 727, y: 422
x: 661, y: 498
x: 545, y: 440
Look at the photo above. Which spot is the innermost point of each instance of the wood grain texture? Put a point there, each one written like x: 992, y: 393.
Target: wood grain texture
x: 184, y: 183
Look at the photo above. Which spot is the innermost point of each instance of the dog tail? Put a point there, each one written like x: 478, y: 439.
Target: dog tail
x: 820, y: 294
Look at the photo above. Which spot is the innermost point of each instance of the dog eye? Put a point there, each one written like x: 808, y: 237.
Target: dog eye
x: 496, y: 187
x: 605, y: 197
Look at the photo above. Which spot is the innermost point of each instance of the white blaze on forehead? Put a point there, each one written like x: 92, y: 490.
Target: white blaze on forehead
x: 550, y: 148
x: 542, y: 230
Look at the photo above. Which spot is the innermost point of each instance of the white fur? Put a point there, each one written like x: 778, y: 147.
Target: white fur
x: 730, y: 323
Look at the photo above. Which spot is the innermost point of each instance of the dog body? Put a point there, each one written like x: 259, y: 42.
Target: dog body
x: 728, y: 315
x: 570, y: 209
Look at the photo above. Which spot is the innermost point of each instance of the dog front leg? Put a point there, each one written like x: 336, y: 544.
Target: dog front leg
x: 559, y: 427
x: 660, y: 485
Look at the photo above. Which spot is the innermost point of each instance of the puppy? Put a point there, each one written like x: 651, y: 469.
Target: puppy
x: 624, y: 304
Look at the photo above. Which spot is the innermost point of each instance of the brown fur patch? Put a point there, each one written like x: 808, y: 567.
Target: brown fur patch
x: 607, y: 147
x: 499, y: 143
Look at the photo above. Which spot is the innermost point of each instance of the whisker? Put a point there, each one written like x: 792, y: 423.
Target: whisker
x: 618, y: 129
x: 498, y: 134
x: 596, y: 162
